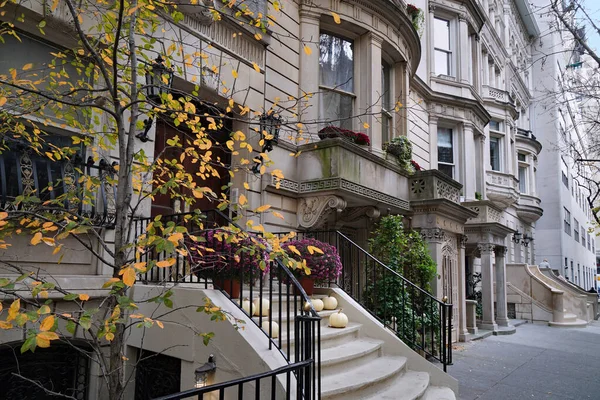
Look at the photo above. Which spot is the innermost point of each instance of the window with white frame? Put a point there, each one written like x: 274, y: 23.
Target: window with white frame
x: 576, y: 229
x: 495, y: 153
x: 442, y: 47
x: 336, y: 78
x: 445, y: 145
x: 523, y: 172
x: 583, y: 237
x: 567, y: 221
x: 386, y: 102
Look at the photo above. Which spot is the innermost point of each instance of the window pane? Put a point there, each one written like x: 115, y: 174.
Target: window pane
x: 441, y: 29
x: 445, y: 152
x: 336, y: 108
x: 495, y: 125
x: 385, y: 86
x: 521, y: 157
x: 386, y: 126
x: 442, y: 64
x: 336, y: 60
x: 495, y: 153
x: 522, y: 179
x: 446, y: 169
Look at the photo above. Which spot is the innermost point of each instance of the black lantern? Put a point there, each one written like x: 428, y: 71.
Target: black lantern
x: 270, y: 125
x: 159, y: 80
x: 526, y: 240
x: 517, y: 237
x: 204, y: 371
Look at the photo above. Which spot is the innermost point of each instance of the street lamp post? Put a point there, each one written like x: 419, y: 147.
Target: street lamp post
x: 159, y: 81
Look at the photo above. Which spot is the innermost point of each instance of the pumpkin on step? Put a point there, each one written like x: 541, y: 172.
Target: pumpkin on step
x: 330, y: 303
x: 317, y: 304
x: 248, y: 307
x: 274, y: 328
x: 338, y: 320
x: 264, y: 311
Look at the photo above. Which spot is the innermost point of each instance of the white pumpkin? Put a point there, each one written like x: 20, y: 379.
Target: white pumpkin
x: 264, y: 311
x: 330, y: 303
x: 338, y: 320
x: 274, y: 328
x: 317, y: 304
x: 248, y: 307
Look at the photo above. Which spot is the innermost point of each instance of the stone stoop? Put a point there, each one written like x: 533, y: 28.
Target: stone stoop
x: 355, y: 365
x: 570, y: 321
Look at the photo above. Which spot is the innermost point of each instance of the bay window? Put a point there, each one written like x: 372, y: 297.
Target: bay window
x: 336, y: 79
x: 445, y: 145
x: 495, y: 153
x: 442, y: 47
x: 386, y: 103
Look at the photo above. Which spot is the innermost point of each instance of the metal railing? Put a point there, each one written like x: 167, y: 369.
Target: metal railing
x: 238, y: 386
x: 414, y: 315
x: 242, y: 271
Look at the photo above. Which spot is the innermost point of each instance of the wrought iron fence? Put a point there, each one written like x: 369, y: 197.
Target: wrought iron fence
x: 416, y: 316
x: 237, y: 263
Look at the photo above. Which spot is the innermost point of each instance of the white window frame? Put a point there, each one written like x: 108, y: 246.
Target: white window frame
x: 451, y: 53
x: 524, y: 164
x: 453, y: 135
x: 387, y: 115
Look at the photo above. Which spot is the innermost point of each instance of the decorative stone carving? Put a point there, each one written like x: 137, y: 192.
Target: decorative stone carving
x: 433, y: 234
x: 313, y: 211
x: 485, y: 247
x: 463, y: 239
x: 446, y: 191
x: 500, y: 251
x: 417, y: 186
x: 354, y: 213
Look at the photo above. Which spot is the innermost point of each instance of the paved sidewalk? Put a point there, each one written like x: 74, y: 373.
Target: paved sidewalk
x: 537, y: 362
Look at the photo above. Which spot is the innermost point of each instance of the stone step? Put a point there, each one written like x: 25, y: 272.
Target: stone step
x: 569, y: 317
x: 578, y: 323
x: 331, y: 337
x: 438, y: 393
x: 362, y: 381
x: 409, y: 386
x: 284, y: 317
x: 349, y: 355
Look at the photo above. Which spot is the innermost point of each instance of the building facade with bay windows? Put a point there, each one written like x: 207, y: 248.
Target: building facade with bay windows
x: 452, y: 76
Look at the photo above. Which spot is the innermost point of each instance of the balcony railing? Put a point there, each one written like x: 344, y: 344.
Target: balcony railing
x: 526, y: 133
x: 495, y: 94
x: 231, y: 266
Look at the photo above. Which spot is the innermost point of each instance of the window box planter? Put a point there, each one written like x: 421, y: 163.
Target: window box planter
x: 358, y: 138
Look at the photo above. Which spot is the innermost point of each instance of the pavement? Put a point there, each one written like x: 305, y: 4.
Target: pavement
x: 537, y: 362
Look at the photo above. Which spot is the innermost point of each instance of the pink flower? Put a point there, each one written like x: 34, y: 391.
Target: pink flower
x: 324, y: 268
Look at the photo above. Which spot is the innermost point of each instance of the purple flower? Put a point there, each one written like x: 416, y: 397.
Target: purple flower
x: 324, y: 267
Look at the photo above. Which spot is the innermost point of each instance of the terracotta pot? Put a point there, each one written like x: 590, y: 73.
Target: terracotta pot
x: 308, y: 284
x: 230, y: 286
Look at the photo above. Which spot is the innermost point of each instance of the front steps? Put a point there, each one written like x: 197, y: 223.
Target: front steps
x: 356, y: 365
x: 569, y: 321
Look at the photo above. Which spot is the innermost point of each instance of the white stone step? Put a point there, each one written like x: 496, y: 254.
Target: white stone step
x: 363, y: 381
x: 331, y: 337
x: 438, y: 393
x: 578, y: 323
x: 409, y: 386
x: 570, y: 317
x: 284, y: 317
x: 349, y: 355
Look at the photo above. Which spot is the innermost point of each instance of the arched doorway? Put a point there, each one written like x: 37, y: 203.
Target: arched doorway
x: 62, y: 368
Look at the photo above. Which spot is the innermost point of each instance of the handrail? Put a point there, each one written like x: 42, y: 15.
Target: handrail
x: 239, y: 382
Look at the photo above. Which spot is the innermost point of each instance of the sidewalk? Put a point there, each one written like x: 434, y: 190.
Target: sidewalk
x: 537, y: 362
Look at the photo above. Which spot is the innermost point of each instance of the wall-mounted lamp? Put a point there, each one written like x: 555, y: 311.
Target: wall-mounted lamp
x: 202, y: 373
x: 270, y: 125
x: 526, y: 240
x: 516, y: 237
x: 159, y: 81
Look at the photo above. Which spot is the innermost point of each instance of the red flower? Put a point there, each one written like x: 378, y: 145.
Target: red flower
x: 355, y: 137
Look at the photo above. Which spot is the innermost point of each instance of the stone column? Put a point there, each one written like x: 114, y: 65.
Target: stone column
x: 309, y: 65
x: 435, y: 238
x: 468, y: 173
x: 370, y: 85
x: 501, y: 307
x: 463, y: 332
x: 487, y: 286
x: 464, y: 53
x: 400, y: 93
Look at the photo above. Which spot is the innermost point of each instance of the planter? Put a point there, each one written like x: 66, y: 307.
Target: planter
x: 307, y: 283
x: 230, y: 286
x: 358, y: 138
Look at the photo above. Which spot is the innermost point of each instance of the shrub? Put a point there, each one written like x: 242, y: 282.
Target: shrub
x: 401, y: 148
x: 324, y: 267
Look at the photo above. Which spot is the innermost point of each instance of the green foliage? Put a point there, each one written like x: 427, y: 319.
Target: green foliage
x: 403, y: 251
x: 401, y: 148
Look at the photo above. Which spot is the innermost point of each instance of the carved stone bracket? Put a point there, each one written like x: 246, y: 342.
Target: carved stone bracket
x: 433, y: 234
x: 500, y: 251
x: 354, y: 213
x: 485, y: 247
x: 463, y: 239
x: 313, y: 211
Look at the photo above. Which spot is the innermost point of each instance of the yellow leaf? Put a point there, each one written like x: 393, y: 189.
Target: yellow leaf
x: 14, y: 309
x: 5, y: 325
x: 140, y: 266
x: 3, y: 215
x: 48, y: 335
x: 256, y: 67
x: 47, y: 224
x: 110, y: 336
x: 257, y: 36
x: 47, y: 323
x: 242, y: 200
x: 294, y: 249
x: 165, y: 263
x: 128, y: 276
x: 263, y: 208
x: 84, y: 297
x: 3, y: 101
x: 57, y: 249
x: 277, y: 215
x: 307, y: 50
x: 43, y: 338
x: 313, y: 250
x: 36, y: 239
x: 234, y: 73
x: 366, y: 126
x: 336, y: 18
x: 27, y: 66
x: 175, y: 238
x: 49, y: 241
x: 41, y: 342
x: 246, y: 186
x: 160, y: 324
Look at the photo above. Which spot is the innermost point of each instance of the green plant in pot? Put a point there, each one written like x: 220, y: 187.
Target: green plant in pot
x: 319, y: 262
x: 401, y: 149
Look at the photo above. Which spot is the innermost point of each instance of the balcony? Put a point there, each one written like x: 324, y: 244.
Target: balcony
x: 502, y: 189
x: 490, y: 93
x: 486, y: 211
x: 529, y: 208
x: 527, y: 141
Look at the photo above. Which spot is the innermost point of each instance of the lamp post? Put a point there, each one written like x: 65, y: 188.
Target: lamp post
x: 159, y: 81
x: 270, y: 125
x: 526, y: 240
x: 201, y: 373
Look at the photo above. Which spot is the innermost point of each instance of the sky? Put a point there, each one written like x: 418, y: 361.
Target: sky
x: 593, y: 9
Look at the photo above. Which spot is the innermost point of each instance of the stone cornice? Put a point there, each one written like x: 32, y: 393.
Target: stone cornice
x: 443, y: 207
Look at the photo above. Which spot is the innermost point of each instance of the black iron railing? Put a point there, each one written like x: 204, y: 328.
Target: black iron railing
x: 242, y: 270
x: 253, y: 384
x: 416, y: 316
